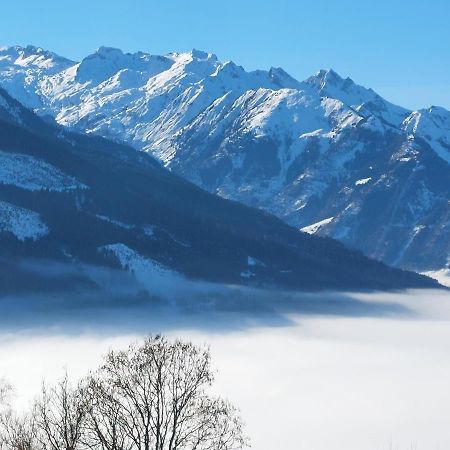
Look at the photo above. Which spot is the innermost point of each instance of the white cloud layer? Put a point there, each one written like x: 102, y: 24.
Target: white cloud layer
x: 321, y: 383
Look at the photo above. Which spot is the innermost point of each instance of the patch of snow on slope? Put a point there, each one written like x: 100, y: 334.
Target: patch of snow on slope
x: 442, y: 276
x: 315, y: 227
x: 154, y: 276
x: 362, y: 181
x: 254, y: 262
x: 433, y: 125
x: 247, y: 274
x: 22, y: 223
x: 114, y: 222
x: 149, y: 230
x: 29, y: 173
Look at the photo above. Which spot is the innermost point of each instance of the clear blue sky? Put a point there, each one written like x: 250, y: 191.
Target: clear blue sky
x: 399, y: 48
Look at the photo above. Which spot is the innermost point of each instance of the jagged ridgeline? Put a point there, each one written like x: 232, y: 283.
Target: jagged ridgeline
x: 326, y: 155
x: 70, y: 200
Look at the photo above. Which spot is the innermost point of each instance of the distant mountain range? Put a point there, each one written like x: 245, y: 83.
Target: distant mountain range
x: 326, y: 155
x: 74, y: 206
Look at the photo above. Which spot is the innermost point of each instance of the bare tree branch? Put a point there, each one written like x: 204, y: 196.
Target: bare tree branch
x: 155, y: 397
x: 60, y: 415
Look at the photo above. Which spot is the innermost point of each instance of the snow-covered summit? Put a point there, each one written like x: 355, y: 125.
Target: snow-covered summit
x: 52, y: 80
x: 433, y: 125
x: 367, y: 102
x: 32, y: 57
x: 146, y: 99
x: 296, y: 148
x: 282, y: 79
x: 107, y: 61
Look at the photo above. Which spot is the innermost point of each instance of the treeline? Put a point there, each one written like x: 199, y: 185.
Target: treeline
x: 152, y: 396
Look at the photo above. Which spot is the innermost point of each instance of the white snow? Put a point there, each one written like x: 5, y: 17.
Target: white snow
x: 146, y: 100
x: 362, y: 181
x: 157, y: 278
x: 443, y: 276
x: 190, y: 107
x: 22, y: 223
x: 254, y: 262
x: 315, y: 227
x: 30, y: 173
x: 366, y: 102
x: 433, y: 125
x: 149, y: 230
x: 114, y: 222
x: 247, y: 274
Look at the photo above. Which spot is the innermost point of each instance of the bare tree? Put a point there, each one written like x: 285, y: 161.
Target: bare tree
x: 5, y: 391
x: 107, y: 425
x: 59, y: 416
x: 4, y: 410
x: 155, y: 397
x: 17, y: 432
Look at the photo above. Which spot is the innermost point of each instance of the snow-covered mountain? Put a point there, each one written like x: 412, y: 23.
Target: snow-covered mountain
x: 326, y: 155
x: 79, y: 212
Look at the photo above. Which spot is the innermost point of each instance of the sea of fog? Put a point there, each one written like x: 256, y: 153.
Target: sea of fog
x: 314, y: 372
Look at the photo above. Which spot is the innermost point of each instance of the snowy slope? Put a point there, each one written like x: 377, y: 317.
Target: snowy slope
x: 33, y: 174
x: 22, y: 223
x: 159, y: 279
x: 432, y: 125
x: 305, y: 151
x: 79, y: 212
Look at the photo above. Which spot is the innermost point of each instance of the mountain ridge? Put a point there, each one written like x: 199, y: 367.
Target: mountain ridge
x: 73, y: 207
x: 300, y: 150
